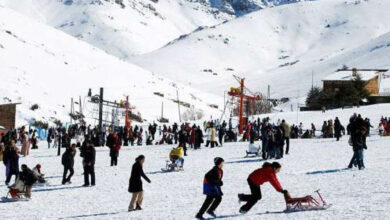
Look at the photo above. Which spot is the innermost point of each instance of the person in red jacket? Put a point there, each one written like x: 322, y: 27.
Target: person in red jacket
x: 114, y: 149
x: 265, y: 174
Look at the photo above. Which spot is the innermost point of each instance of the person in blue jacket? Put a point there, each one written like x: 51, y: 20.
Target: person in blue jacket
x: 212, y: 189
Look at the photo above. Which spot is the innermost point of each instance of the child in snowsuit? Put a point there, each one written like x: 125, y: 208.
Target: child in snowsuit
x: 176, y: 156
x: 212, y: 189
x: 37, y: 172
x: 265, y: 174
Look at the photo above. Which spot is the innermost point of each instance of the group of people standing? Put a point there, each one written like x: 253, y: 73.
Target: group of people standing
x: 359, y: 130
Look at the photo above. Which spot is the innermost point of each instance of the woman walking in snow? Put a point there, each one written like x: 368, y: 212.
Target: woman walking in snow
x: 135, y: 184
x: 265, y: 174
x: 25, y: 144
x: 212, y: 189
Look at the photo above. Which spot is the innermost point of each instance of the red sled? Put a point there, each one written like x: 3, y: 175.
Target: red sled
x: 307, y: 203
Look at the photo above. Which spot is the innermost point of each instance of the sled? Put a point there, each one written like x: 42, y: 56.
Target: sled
x: 254, y: 153
x: 172, y: 167
x: 15, y: 195
x: 6, y: 199
x: 307, y: 203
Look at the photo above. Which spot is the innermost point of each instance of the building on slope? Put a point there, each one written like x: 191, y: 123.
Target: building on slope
x: 341, y: 78
x: 8, y: 115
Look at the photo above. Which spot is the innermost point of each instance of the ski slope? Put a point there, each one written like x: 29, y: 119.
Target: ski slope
x: 124, y: 28
x: 137, y: 27
x: 44, y: 66
x: 311, y: 165
x: 281, y: 47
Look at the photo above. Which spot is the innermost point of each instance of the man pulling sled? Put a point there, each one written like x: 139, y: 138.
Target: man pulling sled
x: 268, y: 174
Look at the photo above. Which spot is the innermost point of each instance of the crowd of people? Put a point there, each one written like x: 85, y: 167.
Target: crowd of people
x: 274, y: 139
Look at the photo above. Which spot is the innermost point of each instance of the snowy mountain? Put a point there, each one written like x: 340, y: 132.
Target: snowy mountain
x: 280, y: 46
x: 129, y: 27
x: 122, y: 27
x: 41, y: 65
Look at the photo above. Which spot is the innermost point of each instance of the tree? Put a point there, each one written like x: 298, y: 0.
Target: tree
x: 311, y: 100
x: 360, y: 87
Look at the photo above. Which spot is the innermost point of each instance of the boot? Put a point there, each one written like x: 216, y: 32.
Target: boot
x: 199, y: 216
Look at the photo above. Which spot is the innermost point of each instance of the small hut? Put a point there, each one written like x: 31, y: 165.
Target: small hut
x: 8, y: 115
x: 371, y: 78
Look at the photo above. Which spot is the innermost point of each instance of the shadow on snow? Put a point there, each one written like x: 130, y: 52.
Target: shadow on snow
x: 54, y: 189
x: 246, y: 161
x: 326, y: 171
x: 92, y: 215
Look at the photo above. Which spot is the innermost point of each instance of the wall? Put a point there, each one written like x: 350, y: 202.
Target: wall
x: 8, y: 115
x: 372, y: 86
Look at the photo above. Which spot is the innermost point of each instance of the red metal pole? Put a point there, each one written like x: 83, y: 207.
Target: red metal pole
x: 127, y: 122
x: 241, y: 120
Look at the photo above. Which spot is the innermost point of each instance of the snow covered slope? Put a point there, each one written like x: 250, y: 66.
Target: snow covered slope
x: 312, y: 164
x: 127, y: 27
x: 41, y: 65
x: 121, y: 28
x: 279, y: 46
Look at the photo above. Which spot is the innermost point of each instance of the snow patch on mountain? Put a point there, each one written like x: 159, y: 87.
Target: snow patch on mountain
x: 41, y: 65
x: 280, y: 47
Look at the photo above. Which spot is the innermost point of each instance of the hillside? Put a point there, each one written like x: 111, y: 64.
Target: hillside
x: 280, y: 46
x: 130, y: 27
x: 41, y: 65
x: 121, y: 28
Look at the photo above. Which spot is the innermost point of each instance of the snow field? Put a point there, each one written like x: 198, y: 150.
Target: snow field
x: 312, y: 164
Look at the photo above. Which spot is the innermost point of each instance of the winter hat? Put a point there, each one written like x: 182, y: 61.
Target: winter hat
x: 218, y: 161
x: 38, y: 166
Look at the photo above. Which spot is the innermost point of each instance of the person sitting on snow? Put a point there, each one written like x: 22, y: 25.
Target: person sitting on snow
x: 28, y: 178
x: 252, y: 149
x: 37, y: 172
x: 176, y: 156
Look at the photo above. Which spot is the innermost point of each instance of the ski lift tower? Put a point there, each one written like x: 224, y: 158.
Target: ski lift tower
x: 240, y: 94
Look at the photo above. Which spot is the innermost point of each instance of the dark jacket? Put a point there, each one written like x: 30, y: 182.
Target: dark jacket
x: 28, y: 177
x: 212, y: 182
x: 135, y: 183
x: 11, y: 160
x: 357, y: 129
x: 68, y: 158
x: 88, y: 154
x: 337, y: 128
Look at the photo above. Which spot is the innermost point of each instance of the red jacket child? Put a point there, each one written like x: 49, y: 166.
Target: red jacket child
x: 265, y: 174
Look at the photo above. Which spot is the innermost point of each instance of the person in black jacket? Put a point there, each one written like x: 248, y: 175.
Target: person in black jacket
x: 28, y: 177
x: 198, y: 138
x: 212, y: 189
x: 337, y: 129
x: 183, y: 137
x: 358, y: 131
x: 68, y: 163
x: 88, y: 154
x: 135, y: 183
x: 11, y: 162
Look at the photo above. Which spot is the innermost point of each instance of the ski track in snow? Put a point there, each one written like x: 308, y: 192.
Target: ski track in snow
x: 311, y: 165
